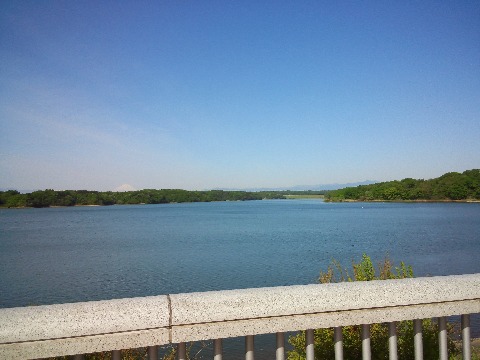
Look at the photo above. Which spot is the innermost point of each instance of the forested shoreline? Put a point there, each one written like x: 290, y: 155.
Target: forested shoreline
x: 47, y: 198
x: 452, y: 186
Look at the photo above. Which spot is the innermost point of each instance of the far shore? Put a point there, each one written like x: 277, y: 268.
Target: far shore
x: 287, y: 197
x: 407, y: 201
x: 304, y: 196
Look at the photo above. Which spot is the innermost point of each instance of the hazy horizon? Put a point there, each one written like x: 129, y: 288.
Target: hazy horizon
x: 205, y: 95
x: 128, y: 187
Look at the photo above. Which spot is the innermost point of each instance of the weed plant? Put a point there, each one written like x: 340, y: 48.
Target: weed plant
x: 352, y: 343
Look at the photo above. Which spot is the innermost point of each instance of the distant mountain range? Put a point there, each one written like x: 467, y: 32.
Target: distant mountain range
x: 307, y: 187
x: 323, y: 187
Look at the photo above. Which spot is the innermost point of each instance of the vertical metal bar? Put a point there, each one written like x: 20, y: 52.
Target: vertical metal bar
x: 182, y: 351
x: 217, y: 349
x: 392, y: 341
x: 338, y: 341
x: 116, y: 355
x: 442, y: 337
x: 152, y: 352
x: 309, y: 342
x: 466, y: 345
x: 417, y: 339
x: 280, y: 354
x: 249, y: 348
x: 366, y: 352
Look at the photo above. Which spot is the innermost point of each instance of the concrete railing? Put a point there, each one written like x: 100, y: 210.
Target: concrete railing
x: 78, y: 328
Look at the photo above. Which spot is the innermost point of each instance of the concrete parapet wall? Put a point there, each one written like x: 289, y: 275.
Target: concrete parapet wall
x: 306, y: 299
x: 83, y: 319
x: 67, y: 329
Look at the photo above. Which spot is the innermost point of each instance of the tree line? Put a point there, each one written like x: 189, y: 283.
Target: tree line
x: 49, y: 197
x: 450, y: 186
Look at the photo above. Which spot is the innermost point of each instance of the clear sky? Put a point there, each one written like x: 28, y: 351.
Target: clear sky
x: 236, y: 94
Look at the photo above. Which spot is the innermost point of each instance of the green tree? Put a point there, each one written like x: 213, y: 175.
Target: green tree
x: 457, y: 192
x: 391, y: 193
x: 41, y: 198
x: 450, y: 186
x: 16, y: 200
x: 11, y: 198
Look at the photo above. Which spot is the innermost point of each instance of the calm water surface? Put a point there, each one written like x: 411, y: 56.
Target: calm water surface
x: 59, y: 255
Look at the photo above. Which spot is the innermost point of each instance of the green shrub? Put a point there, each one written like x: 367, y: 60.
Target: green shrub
x: 352, y: 343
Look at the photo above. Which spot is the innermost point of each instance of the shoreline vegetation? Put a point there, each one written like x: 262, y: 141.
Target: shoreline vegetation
x: 450, y: 187
x: 67, y: 198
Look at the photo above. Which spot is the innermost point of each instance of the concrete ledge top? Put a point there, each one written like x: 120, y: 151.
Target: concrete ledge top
x: 194, y: 308
x: 85, y: 318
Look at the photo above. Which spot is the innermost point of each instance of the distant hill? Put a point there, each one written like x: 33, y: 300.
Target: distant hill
x: 452, y: 186
x: 306, y: 187
x: 22, y: 191
x: 124, y: 187
x: 330, y: 186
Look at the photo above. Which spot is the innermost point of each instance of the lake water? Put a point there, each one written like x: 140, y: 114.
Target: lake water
x: 59, y: 255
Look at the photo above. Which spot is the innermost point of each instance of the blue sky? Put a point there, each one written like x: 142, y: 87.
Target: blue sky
x: 236, y: 94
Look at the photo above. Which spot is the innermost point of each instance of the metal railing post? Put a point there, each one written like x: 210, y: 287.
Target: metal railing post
x: 366, y: 351
x: 310, y: 344
x: 217, y: 349
x: 392, y: 341
x: 116, y: 355
x: 338, y: 341
x: 182, y: 351
x: 466, y: 345
x: 442, y: 338
x: 152, y: 352
x: 280, y: 354
x: 249, y: 347
x: 417, y: 339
